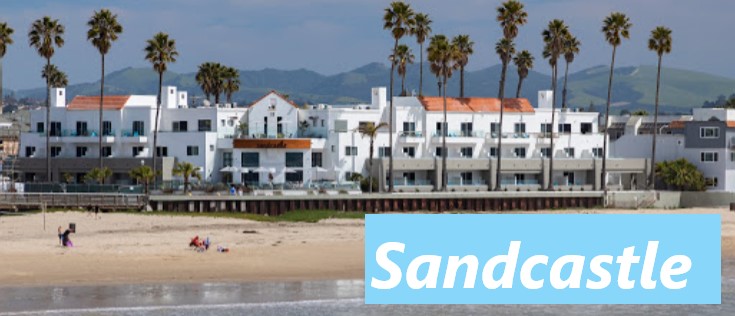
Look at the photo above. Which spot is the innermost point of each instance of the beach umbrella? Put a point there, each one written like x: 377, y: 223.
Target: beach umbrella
x: 227, y: 169
x: 289, y: 170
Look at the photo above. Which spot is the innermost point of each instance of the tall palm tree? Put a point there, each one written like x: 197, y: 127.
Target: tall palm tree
x: 660, y: 42
x: 159, y: 51
x: 511, y: 14
x: 370, y: 131
x: 571, y: 49
x: 232, y: 82
x: 401, y: 58
x: 55, y: 77
x: 505, y: 50
x: 6, y: 39
x: 523, y: 62
x: 421, y: 29
x: 443, y: 59
x: 211, y: 78
x: 45, y: 36
x: 615, y: 27
x: 187, y: 170
x: 399, y: 18
x: 554, y: 36
x: 464, y: 48
x: 103, y: 30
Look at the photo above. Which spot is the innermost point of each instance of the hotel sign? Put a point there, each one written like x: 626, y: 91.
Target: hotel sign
x: 272, y: 143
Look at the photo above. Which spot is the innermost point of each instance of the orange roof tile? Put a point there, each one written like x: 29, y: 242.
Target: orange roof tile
x: 475, y: 104
x: 276, y: 93
x: 111, y: 102
x: 677, y: 124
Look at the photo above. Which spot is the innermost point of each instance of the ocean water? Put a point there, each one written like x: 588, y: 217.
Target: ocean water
x: 340, y: 297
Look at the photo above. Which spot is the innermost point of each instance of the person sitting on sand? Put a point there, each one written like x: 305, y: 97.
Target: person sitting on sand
x: 195, y: 242
x: 65, y: 240
x: 206, y: 243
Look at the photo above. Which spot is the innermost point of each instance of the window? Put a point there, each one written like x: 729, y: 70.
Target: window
x: 409, y: 178
x: 519, y: 152
x: 250, y: 178
x: 350, y: 151
x: 545, y: 152
x: 709, y: 132
x: 297, y: 176
x: 138, y: 128
x: 340, y: 126
x: 316, y: 160
x: 597, y: 152
x: 732, y: 156
x: 55, y: 129
x: 322, y: 123
x: 39, y: 127
x: 466, y: 129
x: 81, y: 151
x: 494, y: 127
x: 250, y: 160
x: 569, y: 152
x: 438, y: 152
x: 409, y: 152
x: 709, y: 156
x: 294, y: 159
x: 585, y: 128
x: 466, y: 152
x: 569, y: 176
x: 230, y: 123
x: 222, y: 123
x: 106, y: 151
x: 466, y: 177
x: 55, y: 151
x: 565, y: 128
x: 439, y: 128
x: 265, y: 125
x: 211, y: 147
x: 279, y: 125
x: 192, y: 150
x: 107, y: 128
x: 710, y: 182
x: 161, y: 151
x: 409, y: 128
x: 226, y: 159
x: 138, y: 150
x: 205, y: 125
x: 180, y: 126
x: 519, y: 128
x: 82, y: 129
x: 383, y: 152
x: 546, y: 129
x: 30, y: 151
x: 494, y: 152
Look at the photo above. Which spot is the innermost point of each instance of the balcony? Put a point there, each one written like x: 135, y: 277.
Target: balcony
x: 461, y: 182
x: 405, y: 182
x: 411, y: 136
x: 87, y: 136
x: 459, y: 137
x: 133, y: 136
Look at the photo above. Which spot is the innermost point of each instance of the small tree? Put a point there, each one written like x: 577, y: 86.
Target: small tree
x: 639, y: 113
x: 144, y: 175
x: 186, y: 170
x: 303, y: 126
x: 68, y: 178
x: 680, y: 175
x: 98, y: 175
x: 242, y: 129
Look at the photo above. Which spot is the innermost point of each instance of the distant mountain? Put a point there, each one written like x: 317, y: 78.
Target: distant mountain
x: 634, y: 87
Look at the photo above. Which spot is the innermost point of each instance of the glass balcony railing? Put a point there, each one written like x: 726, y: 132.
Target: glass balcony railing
x: 460, y: 182
x: 411, y: 134
x: 407, y: 182
x: 131, y: 133
x: 461, y: 134
x: 519, y: 182
x: 79, y: 133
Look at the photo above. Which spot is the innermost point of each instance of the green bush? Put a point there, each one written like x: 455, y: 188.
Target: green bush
x: 680, y: 175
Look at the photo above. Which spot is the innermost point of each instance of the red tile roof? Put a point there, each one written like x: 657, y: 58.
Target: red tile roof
x: 676, y: 124
x: 111, y: 102
x: 730, y: 124
x: 476, y: 104
x: 276, y: 93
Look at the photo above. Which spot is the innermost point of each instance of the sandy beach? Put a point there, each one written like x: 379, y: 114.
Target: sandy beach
x: 130, y: 248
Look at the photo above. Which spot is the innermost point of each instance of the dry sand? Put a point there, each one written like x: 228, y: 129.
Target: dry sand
x: 128, y: 248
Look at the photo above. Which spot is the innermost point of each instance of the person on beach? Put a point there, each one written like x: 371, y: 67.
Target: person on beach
x: 61, y: 236
x: 65, y: 240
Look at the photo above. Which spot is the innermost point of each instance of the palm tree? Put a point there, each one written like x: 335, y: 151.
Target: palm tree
x: 524, y: 62
x: 98, y: 175
x: 443, y: 59
x: 5, y: 40
x: 159, y: 51
x: 232, y: 82
x: 103, y: 30
x: 554, y: 36
x: 571, y: 49
x: 421, y: 29
x: 511, y: 15
x: 660, y: 42
x: 401, y: 58
x: 186, y: 170
x: 464, y: 48
x: 211, y: 78
x: 370, y: 131
x: 45, y: 35
x: 505, y: 50
x: 615, y: 27
x: 399, y: 19
x: 144, y: 175
x: 55, y: 77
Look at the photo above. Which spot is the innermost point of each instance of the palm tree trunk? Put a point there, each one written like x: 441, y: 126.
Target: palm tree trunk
x: 370, y: 165
x: 445, y: 174
x: 421, y: 70
x: 216, y: 98
x: 403, y: 84
x: 518, y: 90
x: 652, y: 181
x: 48, y: 123
x: 500, y: 127
x: 550, y: 186
x: 2, y: 96
x: 607, y: 121
x: 155, y: 128
x: 102, y: 98
x: 461, y: 81
x: 564, y: 91
x: 390, y: 124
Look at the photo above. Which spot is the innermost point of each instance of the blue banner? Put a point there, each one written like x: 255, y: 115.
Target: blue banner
x: 542, y: 259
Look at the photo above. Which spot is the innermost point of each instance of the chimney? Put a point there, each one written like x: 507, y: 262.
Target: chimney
x: 168, y: 97
x: 58, y: 97
x: 183, y: 101
x: 379, y: 100
x: 545, y: 97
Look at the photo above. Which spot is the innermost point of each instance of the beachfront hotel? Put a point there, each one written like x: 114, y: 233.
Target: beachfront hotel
x: 275, y: 141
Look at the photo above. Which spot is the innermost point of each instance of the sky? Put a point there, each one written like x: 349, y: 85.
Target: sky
x: 333, y: 36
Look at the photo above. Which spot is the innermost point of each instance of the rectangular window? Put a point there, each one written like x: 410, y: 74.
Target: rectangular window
x: 82, y: 129
x: 438, y: 152
x: 409, y: 152
x: 192, y: 150
x: 138, y: 128
x: 383, y: 152
x: 710, y: 182
x: 39, y: 127
x: 597, y: 152
x: 279, y: 125
x: 295, y: 160
x: 466, y: 177
x: 316, y: 160
x: 709, y: 156
x: 322, y: 123
x: 409, y: 178
x: 55, y: 151
x: 138, y: 150
x: 297, y: 176
x: 55, y: 129
x: 226, y: 159
x: 162, y: 151
x: 546, y: 129
x: 494, y: 127
x: 350, y: 151
x: 466, y: 152
x: 519, y: 152
x: 30, y: 151
x: 180, y: 126
x: 732, y: 156
x: 250, y: 178
x: 81, y: 151
x: 585, y: 128
x: 265, y: 125
x: 565, y: 128
x: 519, y: 128
x: 340, y: 126
x: 466, y: 129
x: 709, y: 132
x: 494, y: 152
x: 106, y: 151
x: 569, y: 152
x: 222, y: 123
x: 250, y: 160
x: 107, y: 128
x: 409, y: 128
x: 205, y: 125
x: 545, y: 152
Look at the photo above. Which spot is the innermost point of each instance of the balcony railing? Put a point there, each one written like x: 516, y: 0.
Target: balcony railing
x: 132, y: 133
x: 407, y: 182
x: 519, y: 182
x: 461, y: 134
x: 467, y: 183
x: 411, y: 134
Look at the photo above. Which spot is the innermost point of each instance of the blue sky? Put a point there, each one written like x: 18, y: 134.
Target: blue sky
x: 332, y: 36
